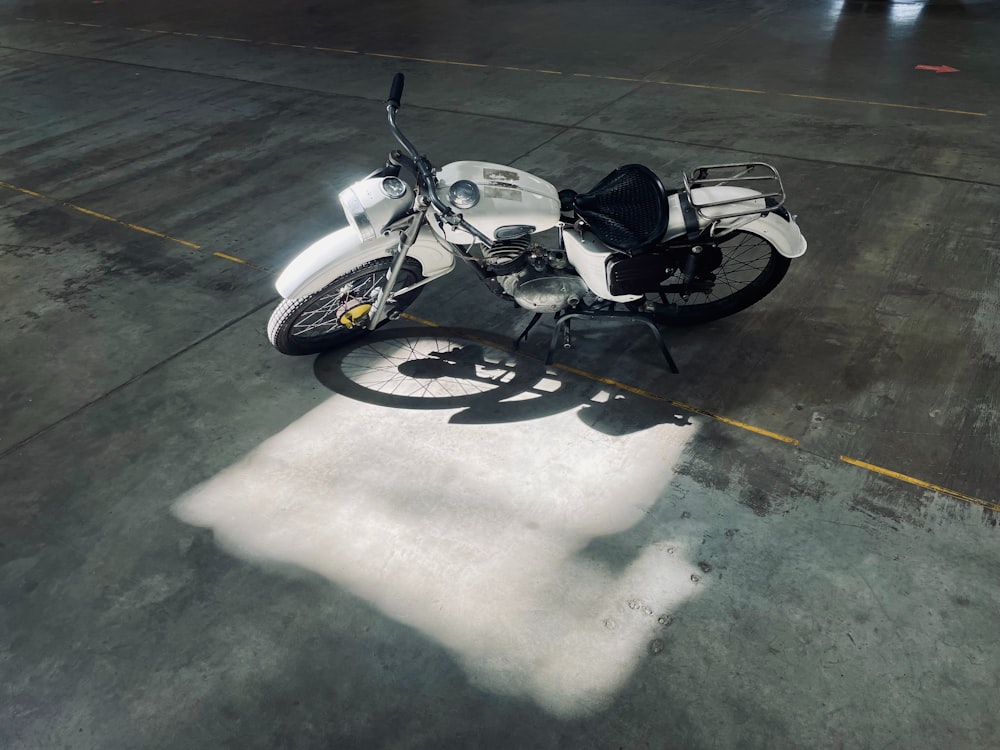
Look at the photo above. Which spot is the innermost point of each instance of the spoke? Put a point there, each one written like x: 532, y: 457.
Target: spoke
x: 320, y: 318
x: 744, y: 258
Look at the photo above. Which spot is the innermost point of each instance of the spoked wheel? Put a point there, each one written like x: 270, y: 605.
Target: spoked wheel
x: 742, y: 267
x: 339, y: 311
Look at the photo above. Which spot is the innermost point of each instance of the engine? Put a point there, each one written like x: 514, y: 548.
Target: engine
x: 534, y: 276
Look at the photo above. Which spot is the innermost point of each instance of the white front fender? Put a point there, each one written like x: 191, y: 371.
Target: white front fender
x: 339, y: 252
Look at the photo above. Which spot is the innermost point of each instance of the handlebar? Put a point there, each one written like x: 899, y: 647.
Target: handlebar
x: 420, y: 162
x: 395, y: 91
x: 427, y: 183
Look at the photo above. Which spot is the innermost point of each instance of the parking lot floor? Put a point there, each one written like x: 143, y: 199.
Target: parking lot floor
x: 427, y: 538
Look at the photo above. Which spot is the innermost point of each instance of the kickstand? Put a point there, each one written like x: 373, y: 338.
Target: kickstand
x: 562, y: 325
x: 563, y: 321
x: 524, y: 333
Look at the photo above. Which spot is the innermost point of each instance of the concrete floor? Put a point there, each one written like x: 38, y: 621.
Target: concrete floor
x: 206, y: 544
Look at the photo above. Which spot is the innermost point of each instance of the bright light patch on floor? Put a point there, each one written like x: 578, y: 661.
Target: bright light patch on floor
x: 901, y: 12
x: 549, y: 385
x: 905, y: 14
x: 474, y: 534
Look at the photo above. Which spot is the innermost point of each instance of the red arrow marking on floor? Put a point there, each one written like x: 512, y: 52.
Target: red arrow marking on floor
x: 937, y: 68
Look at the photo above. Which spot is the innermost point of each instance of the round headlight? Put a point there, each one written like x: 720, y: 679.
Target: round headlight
x: 464, y: 194
x: 356, y: 213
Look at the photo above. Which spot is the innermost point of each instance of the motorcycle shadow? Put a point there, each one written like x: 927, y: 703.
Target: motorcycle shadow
x: 481, y: 377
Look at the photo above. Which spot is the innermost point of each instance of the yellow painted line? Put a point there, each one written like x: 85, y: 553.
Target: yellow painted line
x: 736, y: 423
x: 447, y: 62
x: 421, y: 321
x: 162, y: 236
x: 113, y: 220
x: 708, y: 87
x: 919, y: 482
x: 334, y: 49
x: 234, y: 259
x: 887, y: 104
x: 227, y: 38
x: 421, y: 59
x: 679, y: 404
x: 32, y: 193
x: 81, y: 209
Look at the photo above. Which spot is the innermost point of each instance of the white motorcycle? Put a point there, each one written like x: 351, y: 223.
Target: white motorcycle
x: 628, y: 248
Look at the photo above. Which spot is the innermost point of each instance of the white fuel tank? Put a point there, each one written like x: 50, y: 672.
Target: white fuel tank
x: 506, y: 197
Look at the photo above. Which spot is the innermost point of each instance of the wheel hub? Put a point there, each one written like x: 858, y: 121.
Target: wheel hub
x: 352, y: 312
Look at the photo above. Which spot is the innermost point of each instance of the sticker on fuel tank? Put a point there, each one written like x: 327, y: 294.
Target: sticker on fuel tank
x: 500, y: 175
x: 507, y: 194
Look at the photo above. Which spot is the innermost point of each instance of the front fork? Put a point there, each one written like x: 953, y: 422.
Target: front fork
x: 407, y: 236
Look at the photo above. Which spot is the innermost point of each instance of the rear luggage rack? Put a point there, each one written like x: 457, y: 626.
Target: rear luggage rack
x: 762, y: 179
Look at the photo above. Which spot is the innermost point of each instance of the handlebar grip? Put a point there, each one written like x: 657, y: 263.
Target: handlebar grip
x: 396, y: 91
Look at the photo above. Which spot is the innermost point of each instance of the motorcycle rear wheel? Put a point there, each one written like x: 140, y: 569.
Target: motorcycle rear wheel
x: 311, y: 324
x: 751, y: 268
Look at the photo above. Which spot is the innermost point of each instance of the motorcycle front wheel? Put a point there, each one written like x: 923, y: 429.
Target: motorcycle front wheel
x: 749, y: 269
x: 337, y: 313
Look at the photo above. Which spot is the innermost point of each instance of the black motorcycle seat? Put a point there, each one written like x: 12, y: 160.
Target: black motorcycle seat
x: 627, y: 210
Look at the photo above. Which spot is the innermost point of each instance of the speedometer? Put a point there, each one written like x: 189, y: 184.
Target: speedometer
x: 393, y: 187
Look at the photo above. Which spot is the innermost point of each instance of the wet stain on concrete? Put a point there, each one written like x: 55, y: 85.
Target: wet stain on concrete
x: 25, y: 251
x: 43, y: 222
x: 878, y: 511
x: 756, y: 500
x: 705, y: 473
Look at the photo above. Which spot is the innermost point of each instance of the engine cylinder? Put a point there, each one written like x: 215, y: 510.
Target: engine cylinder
x: 507, y: 257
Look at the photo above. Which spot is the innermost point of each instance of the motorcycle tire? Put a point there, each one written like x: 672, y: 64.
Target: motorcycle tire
x: 750, y: 269
x: 312, y: 324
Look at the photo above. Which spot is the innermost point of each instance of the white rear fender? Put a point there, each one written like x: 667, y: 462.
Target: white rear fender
x: 339, y: 252
x: 783, y: 233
